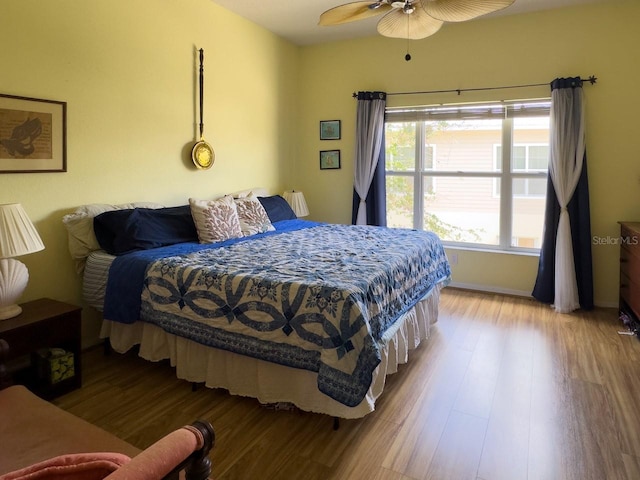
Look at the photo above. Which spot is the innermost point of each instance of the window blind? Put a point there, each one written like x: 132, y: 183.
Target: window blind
x: 498, y: 110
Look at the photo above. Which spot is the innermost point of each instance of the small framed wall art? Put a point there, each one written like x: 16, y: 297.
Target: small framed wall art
x: 329, y: 159
x: 33, y: 135
x: 330, y: 130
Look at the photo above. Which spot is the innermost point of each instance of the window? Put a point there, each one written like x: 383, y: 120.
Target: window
x: 525, y: 159
x: 474, y: 174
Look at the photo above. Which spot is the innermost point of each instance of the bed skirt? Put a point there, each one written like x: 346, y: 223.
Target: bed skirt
x: 272, y: 383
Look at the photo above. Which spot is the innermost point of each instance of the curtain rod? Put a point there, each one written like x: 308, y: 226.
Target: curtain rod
x: 592, y: 79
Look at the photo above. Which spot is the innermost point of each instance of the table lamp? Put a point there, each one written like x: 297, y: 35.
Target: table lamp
x: 297, y: 202
x: 18, y: 237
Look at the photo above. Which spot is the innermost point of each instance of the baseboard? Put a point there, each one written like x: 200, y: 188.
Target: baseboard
x: 517, y: 293
x: 490, y: 289
x: 606, y: 304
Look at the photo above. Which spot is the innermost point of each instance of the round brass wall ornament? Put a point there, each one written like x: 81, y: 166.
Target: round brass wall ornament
x: 202, y: 153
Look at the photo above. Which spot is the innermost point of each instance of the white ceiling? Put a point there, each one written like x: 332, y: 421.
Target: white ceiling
x: 297, y: 20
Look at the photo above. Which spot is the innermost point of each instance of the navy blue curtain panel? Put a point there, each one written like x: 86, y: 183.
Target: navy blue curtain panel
x: 376, y: 198
x: 579, y: 216
x: 377, y: 195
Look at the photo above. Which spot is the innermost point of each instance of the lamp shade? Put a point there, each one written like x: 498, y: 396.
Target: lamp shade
x: 297, y: 202
x: 18, y: 236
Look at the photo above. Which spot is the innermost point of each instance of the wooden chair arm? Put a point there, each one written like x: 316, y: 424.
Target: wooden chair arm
x: 198, y: 465
x: 184, y: 449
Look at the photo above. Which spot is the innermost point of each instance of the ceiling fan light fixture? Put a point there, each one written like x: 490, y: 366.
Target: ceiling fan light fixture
x: 418, y: 25
x: 462, y: 10
x: 351, y: 12
x: 408, y: 8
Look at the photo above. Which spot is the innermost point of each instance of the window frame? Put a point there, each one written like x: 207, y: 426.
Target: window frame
x: 506, y: 112
x: 531, y: 174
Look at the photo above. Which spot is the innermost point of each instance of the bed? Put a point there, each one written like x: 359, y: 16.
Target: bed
x: 289, y: 311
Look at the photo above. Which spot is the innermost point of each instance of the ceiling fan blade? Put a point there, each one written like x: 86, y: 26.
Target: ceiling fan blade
x: 462, y: 10
x: 350, y: 12
x: 414, y: 26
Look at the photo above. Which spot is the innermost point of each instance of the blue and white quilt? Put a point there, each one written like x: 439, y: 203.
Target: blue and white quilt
x: 319, y: 298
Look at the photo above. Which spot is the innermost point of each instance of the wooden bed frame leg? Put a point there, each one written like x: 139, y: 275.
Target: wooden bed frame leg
x: 336, y: 423
x: 106, y: 345
x: 194, y: 386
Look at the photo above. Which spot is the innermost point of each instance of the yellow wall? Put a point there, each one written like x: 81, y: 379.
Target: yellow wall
x: 128, y: 72
x: 595, y: 39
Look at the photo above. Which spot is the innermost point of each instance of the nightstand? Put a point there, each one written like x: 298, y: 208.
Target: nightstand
x: 43, y: 323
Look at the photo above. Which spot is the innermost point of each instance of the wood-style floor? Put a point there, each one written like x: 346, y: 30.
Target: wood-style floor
x: 504, y: 389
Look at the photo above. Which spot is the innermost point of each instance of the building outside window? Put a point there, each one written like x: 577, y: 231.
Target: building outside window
x: 474, y: 174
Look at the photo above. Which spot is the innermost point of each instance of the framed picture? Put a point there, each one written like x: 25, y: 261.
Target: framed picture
x: 330, y: 130
x: 33, y: 135
x: 329, y: 159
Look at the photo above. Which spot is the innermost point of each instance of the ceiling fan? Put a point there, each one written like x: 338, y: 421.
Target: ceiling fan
x: 412, y: 19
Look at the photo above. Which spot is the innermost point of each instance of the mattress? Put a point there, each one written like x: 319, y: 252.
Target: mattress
x: 95, y: 277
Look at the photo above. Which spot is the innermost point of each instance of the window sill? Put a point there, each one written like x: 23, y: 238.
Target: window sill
x: 525, y: 253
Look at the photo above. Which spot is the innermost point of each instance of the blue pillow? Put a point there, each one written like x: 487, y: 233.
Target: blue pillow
x: 123, y: 231
x: 277, y: 208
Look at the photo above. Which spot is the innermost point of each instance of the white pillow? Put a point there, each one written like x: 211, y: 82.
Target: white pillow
x: 253, y: 217
x: 215, y: 220
x: 256, y: 191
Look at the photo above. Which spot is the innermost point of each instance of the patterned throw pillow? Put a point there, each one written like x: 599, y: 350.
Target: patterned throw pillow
x: 215, y: 220
x: 253, y: 216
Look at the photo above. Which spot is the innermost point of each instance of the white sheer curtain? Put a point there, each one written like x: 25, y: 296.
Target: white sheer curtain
x: 369, y: 135
x: 567, y: 142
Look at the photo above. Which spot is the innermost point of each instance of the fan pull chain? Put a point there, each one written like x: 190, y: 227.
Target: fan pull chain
x: 407, y: 57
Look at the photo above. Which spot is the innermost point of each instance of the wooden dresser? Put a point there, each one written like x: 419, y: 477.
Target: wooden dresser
x: 630, y: 275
